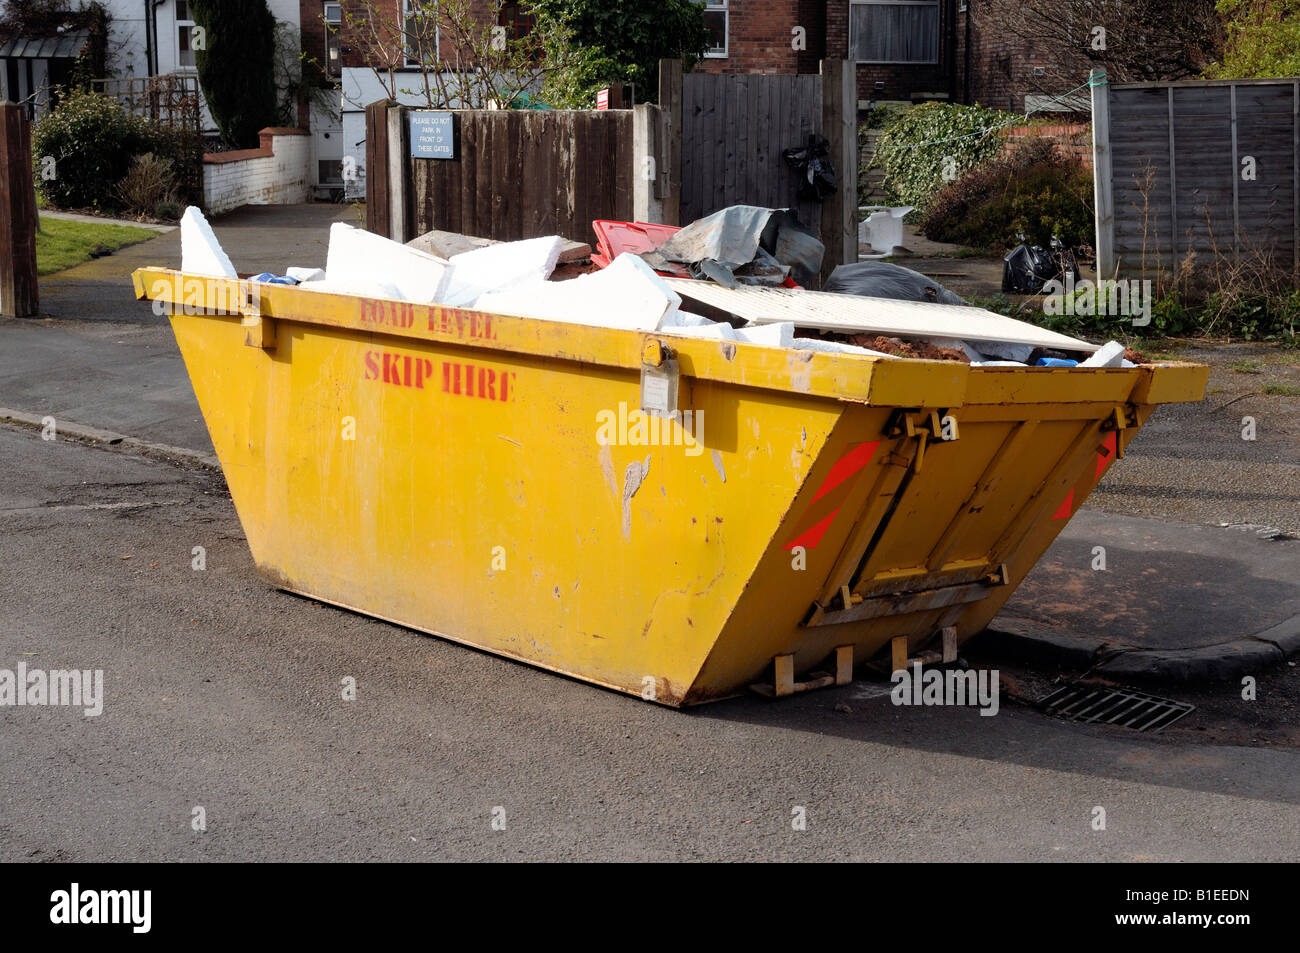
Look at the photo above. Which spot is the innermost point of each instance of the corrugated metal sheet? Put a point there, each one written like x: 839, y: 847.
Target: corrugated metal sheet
x: 851, y: 314
x: 65, y: 45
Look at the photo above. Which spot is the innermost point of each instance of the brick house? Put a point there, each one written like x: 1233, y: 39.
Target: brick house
x: 905, y: 50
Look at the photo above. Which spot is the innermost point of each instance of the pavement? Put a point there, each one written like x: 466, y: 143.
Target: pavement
x: 1182, y: 597
x: 1168, y: 602
x: 104, y: 220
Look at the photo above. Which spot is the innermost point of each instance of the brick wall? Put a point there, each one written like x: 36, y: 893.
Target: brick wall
x: 277, y: 173
x: 387, y: 14
x: 894, y: 81
x: 1072, y: 139
x: 1001, y: 64
x: 759, y: 38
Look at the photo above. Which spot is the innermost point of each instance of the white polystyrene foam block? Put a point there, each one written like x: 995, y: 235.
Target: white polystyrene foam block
x: 780, y: 334
x: 356, y: 255
x: 305, y: 274
x: 1108, y: 355
x: 361, y: 287
x: 505, y: 266
x: 201, y: 253
x: 627, y: 294
x: 717, y: 330
x: 687, y: 319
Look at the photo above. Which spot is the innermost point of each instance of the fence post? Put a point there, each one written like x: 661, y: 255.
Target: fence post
x: 377, y: 195
x: 1173, y: 188
x: 398, y: 177
x: 646, y: 162
x: 1101, y: 174
x: 18, y: 291
x: 670, y: 111
x: 839, y: 128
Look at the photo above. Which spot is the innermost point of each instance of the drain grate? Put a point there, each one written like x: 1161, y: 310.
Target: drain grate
x: 1114, y: 706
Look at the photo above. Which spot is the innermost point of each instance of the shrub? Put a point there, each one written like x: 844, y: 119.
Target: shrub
x: 148, y: 182
x: 183, y: 150
x: 237, y: 66
x: 928, y: 145
x: 1031, y: 189
x: 91, y: 139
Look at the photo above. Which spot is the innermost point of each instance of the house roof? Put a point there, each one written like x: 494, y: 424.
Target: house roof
x: 66, y: 45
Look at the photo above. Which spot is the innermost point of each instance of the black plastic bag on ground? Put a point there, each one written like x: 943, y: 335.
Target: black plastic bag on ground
x: 881, y: 279
x: 1026, y: 268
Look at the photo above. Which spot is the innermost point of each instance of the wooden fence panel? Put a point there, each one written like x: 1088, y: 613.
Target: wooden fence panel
x: 523, y: 173
x: 734, y: 129
x: 1210, y: 168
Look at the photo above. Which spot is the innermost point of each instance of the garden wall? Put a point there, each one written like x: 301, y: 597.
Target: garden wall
x: 277, y: 173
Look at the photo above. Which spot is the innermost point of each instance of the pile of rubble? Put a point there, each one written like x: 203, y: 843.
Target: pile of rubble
x: 521, y: 278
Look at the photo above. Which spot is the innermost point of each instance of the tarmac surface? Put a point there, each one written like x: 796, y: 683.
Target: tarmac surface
x: 224, y: 694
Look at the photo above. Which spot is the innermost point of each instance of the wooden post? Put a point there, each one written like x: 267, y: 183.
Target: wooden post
x: 839, y: 128
x: 670, y: 110
x: 18, y: 291
x: 378, y: 218
x: 1101, y: 174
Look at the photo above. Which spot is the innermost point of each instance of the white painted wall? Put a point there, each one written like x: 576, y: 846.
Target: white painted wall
x: 282, y: 178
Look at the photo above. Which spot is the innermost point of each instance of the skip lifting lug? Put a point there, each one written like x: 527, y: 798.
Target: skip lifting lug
x: 1122, y: 417
x: 923, y: 426
x: 922, y: 423
x: 258, y: 331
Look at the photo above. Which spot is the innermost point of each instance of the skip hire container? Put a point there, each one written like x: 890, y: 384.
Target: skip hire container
x: 491, y: 480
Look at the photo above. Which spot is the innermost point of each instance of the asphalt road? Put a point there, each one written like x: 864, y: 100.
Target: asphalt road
x: 224, y: 694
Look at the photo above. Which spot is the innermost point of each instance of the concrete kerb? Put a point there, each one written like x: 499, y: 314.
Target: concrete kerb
x: 68, y: 428
x: 102, y: 220
x: 1022, y: 641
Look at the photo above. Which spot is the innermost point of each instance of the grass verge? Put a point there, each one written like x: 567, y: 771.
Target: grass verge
x: 61, y: 243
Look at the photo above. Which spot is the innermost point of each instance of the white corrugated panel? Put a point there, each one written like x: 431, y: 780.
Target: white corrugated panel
x: 850, y: 314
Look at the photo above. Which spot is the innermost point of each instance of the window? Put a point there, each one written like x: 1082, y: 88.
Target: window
x: 329, y: 171
x: 516, y: 20
x: 895, y: 31
x: 184, y: 29
x: 333, y: 17
x: 715, y: 19
x: 420, y: 31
